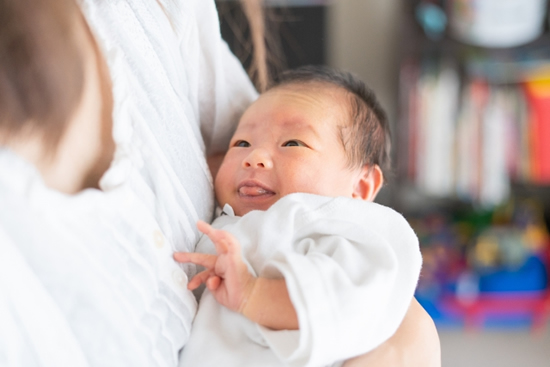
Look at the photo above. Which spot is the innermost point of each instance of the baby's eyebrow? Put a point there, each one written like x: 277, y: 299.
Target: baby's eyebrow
x: 302, y: 126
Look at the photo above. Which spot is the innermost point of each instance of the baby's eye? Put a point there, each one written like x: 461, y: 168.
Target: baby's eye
x: 241, y: 144
x: 294, y: 143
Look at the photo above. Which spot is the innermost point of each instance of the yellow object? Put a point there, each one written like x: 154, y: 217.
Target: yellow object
x: 487, y: 250
x: 538, y: 83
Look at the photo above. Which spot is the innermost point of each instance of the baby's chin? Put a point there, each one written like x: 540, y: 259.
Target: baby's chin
x: 243, y: 204
x: 243, y: 209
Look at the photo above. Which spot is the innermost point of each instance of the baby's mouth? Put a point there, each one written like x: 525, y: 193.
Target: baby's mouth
x: 254, y: 190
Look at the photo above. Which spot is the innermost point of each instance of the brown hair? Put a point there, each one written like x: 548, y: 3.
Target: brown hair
x: 257, y: 41
x: 41, y: 67
x: 254, y: 12
x: 368, y: 140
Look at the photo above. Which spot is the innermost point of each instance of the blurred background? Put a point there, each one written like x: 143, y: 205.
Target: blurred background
x: 466, y: 84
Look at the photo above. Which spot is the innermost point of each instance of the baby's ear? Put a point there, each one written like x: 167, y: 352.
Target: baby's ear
x: 369, y: 183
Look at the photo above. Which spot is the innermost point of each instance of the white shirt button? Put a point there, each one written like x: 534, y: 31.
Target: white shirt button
x: 179, y: 278
x: 158, y: 238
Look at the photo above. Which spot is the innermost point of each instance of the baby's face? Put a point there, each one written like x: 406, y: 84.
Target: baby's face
x: 286, y: 142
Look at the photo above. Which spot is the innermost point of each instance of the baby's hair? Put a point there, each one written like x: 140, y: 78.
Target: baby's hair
x: 368, y: 140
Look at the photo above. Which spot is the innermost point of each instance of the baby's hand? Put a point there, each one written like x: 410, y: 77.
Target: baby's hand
x: 226, y: 275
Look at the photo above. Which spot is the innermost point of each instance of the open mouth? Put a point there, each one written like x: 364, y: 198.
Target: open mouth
x: 254, y: 189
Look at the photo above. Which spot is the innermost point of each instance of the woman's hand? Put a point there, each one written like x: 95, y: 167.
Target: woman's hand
x: 226, y: 275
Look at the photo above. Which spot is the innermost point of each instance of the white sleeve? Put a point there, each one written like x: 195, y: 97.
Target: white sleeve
x: 351, y: 284
x: 225, y: 89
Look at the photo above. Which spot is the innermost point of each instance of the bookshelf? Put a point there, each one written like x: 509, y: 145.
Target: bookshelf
x: 473, y: 173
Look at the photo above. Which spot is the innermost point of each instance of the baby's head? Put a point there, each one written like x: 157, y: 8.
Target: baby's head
x: 317, y: 131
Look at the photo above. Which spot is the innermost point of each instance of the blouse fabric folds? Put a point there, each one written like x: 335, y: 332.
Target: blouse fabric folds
x: 89, y: 279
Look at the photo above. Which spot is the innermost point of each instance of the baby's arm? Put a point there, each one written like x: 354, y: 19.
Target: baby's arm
x: 350, y: 270
x: 262, y: 300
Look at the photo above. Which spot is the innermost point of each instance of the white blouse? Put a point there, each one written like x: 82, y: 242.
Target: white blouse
x: 89, y: 279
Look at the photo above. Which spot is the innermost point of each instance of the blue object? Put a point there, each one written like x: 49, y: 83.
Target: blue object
x: 531, y: 276
x: 432, y: 19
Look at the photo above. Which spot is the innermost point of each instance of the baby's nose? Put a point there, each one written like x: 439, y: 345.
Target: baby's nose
x: 258, y: 158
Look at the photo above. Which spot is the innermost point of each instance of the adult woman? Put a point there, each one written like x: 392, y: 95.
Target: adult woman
x: 86, y: 276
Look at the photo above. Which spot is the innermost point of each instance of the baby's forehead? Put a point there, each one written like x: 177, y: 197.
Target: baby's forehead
x: 298, y: 107
x: 332, y: 96
x: 313, y: 86
x: 326, y: 95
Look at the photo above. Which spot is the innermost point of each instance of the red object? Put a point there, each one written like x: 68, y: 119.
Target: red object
x: 538, y: 97
x: 535, y: 304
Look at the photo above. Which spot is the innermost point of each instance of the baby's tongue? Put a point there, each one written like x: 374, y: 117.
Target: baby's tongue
x: 252, y: 191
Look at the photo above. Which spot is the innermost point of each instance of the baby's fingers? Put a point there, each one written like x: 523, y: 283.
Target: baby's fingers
x: 205, y: 228
x: 221, y: 239
x: 212, y: 283
x: 206, y: 260
x: 198, y: 279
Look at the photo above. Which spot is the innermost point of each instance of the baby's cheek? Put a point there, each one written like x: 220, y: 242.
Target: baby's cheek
x: 221, y: 188
x: 301, y: 181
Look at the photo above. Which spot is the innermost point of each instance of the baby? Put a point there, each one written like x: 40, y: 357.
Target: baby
x: 301, y: 268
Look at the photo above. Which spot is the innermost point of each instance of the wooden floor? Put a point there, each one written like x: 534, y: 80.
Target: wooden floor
x: 499, y: 348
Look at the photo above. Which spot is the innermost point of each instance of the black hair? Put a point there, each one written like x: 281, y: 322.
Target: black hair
x: 368, y: 141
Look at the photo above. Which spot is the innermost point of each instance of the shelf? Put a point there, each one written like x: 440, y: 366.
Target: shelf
x: 290, y: 3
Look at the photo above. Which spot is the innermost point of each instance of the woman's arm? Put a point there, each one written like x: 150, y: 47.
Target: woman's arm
x: 414, y: 344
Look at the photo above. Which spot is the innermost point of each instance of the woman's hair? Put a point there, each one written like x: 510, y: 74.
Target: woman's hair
x: 254, y: 11
x: 264, y: 54
x: 41, y: 67
x: 367, y: 141
x: 42, y: 64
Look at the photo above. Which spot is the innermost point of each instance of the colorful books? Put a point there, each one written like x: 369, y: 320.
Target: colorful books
x: 537, y: 92
x: 466, y: 136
